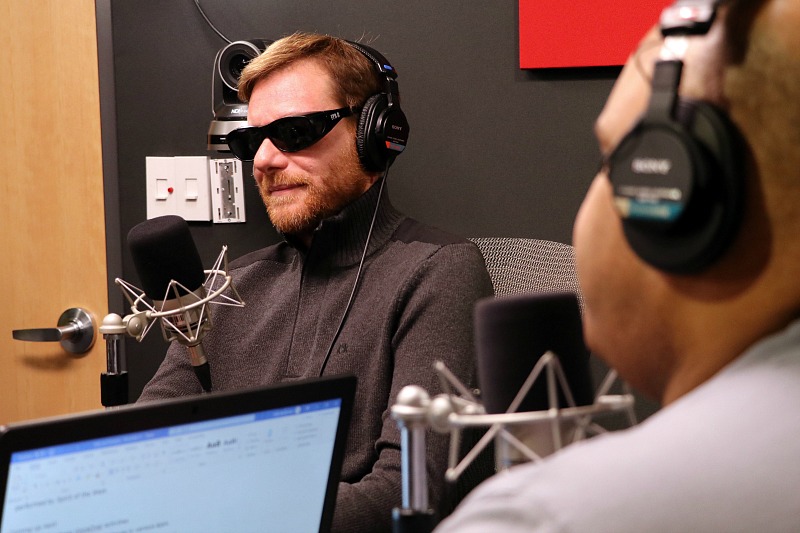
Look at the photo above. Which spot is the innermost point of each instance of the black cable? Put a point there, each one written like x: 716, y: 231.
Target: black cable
x: 358, y: 273
x: 200, y: 9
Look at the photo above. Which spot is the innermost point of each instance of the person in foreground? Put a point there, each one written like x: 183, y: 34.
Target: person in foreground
x: 319, y: 160
x: 711, y: 331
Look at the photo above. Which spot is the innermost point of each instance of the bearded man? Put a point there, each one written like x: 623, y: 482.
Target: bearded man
x: 356, y: 287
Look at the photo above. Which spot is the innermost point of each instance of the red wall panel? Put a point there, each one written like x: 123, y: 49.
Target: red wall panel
x: 582, y: 33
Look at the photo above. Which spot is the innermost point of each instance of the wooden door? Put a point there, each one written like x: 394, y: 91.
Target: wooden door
x: 51, y: 199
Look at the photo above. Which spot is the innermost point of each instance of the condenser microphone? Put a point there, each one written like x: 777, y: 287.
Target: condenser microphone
x: 171, y: 272
x: 512, y: 334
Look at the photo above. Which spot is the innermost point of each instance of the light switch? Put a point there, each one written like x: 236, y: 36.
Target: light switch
x: 160, y: 177
x: 192, y: 193
x: 163, y: 189
x: 180, y: 186
x: 192, y: 187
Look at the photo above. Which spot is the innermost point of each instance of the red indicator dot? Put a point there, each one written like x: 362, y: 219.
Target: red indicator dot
x: 170, y: 190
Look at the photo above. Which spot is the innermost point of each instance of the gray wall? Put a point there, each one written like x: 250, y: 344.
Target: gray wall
x: 494, y: 150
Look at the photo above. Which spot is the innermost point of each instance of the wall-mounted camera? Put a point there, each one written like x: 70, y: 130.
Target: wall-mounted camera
x: 230, y: 112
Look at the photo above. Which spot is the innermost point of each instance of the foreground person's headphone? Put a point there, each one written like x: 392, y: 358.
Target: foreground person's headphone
x: 678, y: 174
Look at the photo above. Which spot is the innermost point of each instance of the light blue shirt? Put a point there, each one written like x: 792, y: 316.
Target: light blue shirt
x: 722, y: 458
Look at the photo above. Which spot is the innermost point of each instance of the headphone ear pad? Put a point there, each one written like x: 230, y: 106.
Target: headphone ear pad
x: 368, y: 153
x: 705, y: 151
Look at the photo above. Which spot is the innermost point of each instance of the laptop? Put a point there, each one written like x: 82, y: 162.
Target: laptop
x: 265, y: 459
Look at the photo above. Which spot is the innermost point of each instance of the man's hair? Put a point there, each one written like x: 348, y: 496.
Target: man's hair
x: 354, y: 76
x: 738, y: 22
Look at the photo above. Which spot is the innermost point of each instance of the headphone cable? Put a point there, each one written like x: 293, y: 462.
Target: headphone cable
x: 358, y: 272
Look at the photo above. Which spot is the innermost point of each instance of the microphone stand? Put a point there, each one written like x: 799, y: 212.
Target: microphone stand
x: 414, y: 412
x: 114, y: 382
x: 411, y: 411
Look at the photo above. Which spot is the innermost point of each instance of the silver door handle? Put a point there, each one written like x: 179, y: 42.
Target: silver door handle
x: 75, y: 331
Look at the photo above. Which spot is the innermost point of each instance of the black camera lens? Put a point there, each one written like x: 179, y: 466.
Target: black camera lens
x: 232, y: 59
x: 237, y: 64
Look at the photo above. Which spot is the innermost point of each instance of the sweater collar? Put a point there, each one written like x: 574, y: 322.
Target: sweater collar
x: 341, y: 237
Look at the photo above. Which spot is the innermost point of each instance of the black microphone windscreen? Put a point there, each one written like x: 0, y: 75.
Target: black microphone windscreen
x: 163, y: 250
x: 511, y: 335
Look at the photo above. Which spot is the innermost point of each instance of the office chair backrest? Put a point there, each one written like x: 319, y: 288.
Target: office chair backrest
x: 515, y: 266
x: 518, y: 265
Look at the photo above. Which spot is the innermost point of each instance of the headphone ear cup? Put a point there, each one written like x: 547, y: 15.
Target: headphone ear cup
x: 382, y: 133
x: 680, y: 189
x: 365, y: 134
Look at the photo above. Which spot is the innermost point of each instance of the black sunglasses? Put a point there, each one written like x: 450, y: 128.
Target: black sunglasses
x: 288, y: 134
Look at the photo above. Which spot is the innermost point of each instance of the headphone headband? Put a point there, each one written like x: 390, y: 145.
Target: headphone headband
x: 384, y: 67
x: 380, y: 62
x: 664, y: 95
x: 688, y: 17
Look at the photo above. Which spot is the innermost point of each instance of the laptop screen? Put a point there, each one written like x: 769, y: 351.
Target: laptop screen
x: 249, y: 466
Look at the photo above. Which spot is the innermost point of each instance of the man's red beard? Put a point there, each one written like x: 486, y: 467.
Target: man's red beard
x: 302, y: 210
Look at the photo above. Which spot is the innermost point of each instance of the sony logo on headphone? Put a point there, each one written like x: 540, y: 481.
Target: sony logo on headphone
x: 651, y: 165
x: 396, y: 127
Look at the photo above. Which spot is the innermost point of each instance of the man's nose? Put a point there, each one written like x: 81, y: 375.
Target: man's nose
x: 269, y: 158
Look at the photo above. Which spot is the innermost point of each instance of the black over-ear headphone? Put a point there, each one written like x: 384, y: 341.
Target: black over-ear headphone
x: 383, y: 130
x: 678, y: 174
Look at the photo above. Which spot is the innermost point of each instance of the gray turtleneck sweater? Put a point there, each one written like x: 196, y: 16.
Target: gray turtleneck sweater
x: 413, y: 307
